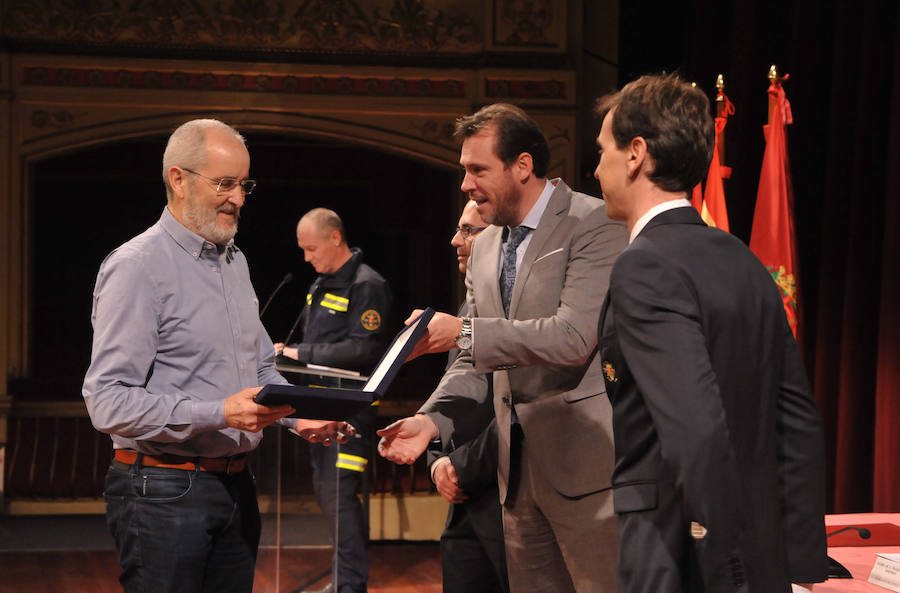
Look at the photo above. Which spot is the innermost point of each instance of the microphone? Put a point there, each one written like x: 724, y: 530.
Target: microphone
x: 863, y: 532
x: 288, y: 278
x: 836, y: 570
x: 287, y: 340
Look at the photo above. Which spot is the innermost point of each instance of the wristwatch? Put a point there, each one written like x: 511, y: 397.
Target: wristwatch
x: 464, y: 339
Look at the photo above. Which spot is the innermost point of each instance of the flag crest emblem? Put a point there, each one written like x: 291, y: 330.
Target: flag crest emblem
x: 609, y: 372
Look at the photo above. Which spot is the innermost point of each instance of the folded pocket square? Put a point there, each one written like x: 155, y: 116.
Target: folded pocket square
x: 548, y: 254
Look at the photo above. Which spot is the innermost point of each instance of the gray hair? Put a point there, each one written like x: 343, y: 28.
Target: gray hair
x: 324, y: 221
x: 187, y: 146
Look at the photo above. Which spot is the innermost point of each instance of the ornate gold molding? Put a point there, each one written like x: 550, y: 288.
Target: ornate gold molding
x: 275, y: 25
x: 525, y: 89
x: 397, y: 86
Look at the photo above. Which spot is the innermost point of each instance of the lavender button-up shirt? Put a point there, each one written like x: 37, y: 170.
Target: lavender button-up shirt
x: 176, y: 331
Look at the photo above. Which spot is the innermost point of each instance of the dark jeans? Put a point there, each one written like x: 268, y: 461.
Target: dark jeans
x: 183, y: 531
x: 352, y: 561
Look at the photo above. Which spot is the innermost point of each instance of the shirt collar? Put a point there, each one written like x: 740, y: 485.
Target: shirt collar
x: 653, y: 212
x: 346, y: 271
x: 186, y: 238
x: 534, y: 215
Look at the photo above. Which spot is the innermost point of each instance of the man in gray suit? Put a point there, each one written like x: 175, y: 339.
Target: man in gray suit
x: 535, y: 281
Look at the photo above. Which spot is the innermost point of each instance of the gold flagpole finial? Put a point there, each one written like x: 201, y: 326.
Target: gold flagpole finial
x: 773, y: 73
x: 720, y: 82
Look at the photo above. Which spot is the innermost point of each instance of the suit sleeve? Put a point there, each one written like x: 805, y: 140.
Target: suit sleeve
x: 567, y: 335
x: 801, y: 461
x: 461, y: 406
x: 657, y: 319
x: 475, y: 462
x: 362, y: 347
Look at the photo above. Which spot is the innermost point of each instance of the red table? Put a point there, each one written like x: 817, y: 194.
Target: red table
x: 855, y: 553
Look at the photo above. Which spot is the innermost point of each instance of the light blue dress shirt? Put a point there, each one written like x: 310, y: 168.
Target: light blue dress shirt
x: 176, y: 331
x: 531, y: 221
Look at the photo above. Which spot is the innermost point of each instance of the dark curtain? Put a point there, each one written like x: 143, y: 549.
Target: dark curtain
x: 844, y: 62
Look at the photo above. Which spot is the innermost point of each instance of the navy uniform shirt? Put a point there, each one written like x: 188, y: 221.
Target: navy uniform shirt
x: 344, y: 322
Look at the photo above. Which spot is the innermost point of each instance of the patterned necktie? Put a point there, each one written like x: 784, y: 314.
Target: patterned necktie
x: 508, y: 273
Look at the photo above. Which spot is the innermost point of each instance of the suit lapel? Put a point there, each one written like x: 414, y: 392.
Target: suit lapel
x: 485, y: 262
x: 553, y: 214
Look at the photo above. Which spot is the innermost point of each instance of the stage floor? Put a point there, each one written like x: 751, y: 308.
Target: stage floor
x: 75, y: 554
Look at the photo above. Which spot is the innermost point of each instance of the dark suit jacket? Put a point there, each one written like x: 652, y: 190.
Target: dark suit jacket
x: 475, y: 460
x: 713, y: 419
x: 541, y: 358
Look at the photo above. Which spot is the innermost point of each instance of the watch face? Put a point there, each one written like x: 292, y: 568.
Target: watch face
x: 464, y: 343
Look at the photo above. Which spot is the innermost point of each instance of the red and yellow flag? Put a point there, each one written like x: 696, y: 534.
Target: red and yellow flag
x: 697, y: 198
x: 714, y: 211
x: 772, y: 238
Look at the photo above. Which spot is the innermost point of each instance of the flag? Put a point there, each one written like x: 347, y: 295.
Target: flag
x: 772, y: 236
x: 714, y: 213
x: 697, y: 198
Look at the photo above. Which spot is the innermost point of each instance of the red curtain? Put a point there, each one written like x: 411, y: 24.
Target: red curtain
x: 844, y: 61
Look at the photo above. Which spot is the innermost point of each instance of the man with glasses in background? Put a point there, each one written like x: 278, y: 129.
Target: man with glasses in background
x: 178, y: 355
x: 464, y: 470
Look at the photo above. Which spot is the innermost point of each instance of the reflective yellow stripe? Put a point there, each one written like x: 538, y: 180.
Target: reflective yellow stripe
x: 351, y: 462
x: 308, y: 299
x: 333, y: 301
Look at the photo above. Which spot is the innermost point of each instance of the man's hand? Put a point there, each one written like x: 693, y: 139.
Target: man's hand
x: 406, y: 439
x: 244, y: 413
x: 324, y: 431
x: 447, y: 482
x: 289, y: 352
x: 443, y: 329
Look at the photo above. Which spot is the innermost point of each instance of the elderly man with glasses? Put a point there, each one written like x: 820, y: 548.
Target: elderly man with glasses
x: 178, y: 355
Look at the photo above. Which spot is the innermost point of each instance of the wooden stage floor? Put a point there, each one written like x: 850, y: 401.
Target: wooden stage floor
x: 395, y: 568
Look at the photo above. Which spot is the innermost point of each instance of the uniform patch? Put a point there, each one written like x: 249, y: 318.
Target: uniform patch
x: 371, y: 320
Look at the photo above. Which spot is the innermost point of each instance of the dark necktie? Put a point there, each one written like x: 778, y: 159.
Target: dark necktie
x: 508, y: 273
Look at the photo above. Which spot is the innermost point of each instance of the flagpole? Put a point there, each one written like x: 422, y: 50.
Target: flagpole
x: 720, y: 110
x: 773, y: 79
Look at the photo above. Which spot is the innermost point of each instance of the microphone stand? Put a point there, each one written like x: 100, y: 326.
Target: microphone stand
x: 836, y: 570
x: 288, y: 278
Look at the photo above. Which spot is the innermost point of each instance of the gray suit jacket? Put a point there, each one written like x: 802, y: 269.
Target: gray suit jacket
x: 543, y: 357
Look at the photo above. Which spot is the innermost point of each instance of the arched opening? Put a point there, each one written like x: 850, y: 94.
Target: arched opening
x: 84, y: 203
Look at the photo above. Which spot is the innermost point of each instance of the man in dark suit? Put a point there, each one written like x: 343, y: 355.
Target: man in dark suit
x: 533, y: 282
x: 473, y: 558
x: 719, y: 476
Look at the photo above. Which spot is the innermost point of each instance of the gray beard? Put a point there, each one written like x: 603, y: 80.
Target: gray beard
x: 203, y: 222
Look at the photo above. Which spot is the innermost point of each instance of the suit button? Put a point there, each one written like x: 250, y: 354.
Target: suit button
x: 505, y: 400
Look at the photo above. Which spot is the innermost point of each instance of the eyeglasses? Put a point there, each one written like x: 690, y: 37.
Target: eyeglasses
x: 225, y: 185
x: 467, y: 231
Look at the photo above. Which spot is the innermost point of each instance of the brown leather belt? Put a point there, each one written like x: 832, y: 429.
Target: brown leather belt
x: 221, y: 465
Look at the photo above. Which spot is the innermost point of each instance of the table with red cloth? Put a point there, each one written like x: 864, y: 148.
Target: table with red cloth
x: 857, y: 554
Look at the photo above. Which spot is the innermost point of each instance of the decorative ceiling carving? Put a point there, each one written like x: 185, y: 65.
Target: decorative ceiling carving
x: 402, y: 26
